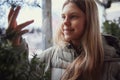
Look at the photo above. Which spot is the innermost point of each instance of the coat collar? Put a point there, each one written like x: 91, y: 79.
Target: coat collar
x: 109, y: 51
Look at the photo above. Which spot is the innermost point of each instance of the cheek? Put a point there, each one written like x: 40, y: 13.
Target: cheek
x: 61, y: 27
x: 79, y: 27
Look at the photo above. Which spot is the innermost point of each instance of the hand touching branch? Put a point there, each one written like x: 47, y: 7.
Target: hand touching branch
x: 15, y: 31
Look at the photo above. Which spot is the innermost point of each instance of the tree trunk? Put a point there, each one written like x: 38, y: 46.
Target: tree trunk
x: 47, y: 24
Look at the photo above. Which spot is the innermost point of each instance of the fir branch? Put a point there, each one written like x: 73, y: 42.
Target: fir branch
x: 15, y: 66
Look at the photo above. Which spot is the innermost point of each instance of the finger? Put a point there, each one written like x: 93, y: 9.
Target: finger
x: 14, y: 16
x: 16, y: 12
x: 10, y: 14
x: 22, y: 32
x: 23, y: 25
x: 19, y: 34
x: 9, y: 17
x: 16, y: 39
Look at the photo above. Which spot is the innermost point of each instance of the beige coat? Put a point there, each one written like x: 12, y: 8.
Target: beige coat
x: 57, y: 60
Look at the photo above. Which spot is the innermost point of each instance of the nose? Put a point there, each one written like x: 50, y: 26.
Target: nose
x: 66, y: 21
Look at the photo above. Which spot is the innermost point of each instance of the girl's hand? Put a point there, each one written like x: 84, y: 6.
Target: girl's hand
x: 14, y: 31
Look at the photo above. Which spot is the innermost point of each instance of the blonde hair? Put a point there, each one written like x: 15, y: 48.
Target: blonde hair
x: 88, y: 64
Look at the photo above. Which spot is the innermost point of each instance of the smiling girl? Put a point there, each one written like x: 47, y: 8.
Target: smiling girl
x: 80, y: 51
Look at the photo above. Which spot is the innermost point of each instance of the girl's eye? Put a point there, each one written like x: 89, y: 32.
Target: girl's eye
x: 73, y: 17
x: 63, y: 17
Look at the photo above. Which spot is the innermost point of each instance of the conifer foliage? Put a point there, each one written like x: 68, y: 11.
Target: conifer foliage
x: 14, y: 66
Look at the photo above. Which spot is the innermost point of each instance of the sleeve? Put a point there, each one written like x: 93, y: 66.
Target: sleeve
x: 43, y: 67
x: 46, y: 56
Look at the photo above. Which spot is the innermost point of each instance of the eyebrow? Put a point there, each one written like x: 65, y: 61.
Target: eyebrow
x: 71, y: 13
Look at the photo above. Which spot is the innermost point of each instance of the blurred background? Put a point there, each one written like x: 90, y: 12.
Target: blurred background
x: 47, y: 17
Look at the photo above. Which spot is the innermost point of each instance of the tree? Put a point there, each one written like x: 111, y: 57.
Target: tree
x: 6, y: 4
x: 112, y: 28
x: 47, y: 24
x: 15, y: 66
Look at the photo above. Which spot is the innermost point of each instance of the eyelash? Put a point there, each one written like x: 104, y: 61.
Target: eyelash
x: 71, y: 17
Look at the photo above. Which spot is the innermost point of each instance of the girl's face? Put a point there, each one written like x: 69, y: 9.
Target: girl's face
x: 73, y: 22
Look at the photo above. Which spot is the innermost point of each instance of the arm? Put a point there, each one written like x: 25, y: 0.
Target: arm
x: 46, y: 56
x: 15, y: 51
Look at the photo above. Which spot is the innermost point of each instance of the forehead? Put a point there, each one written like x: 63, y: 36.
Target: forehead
x: 71, y: 8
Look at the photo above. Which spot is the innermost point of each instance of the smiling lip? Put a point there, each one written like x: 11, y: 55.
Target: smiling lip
x: 67, y: 31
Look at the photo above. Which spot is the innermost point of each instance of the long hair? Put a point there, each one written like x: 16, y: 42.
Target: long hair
x: 88, y: 64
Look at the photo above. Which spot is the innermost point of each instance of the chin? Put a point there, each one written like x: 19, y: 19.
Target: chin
x: 68, y: 38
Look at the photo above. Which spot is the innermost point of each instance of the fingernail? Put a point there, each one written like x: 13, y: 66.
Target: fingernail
x: 32, y: 21
x: 18, y: 7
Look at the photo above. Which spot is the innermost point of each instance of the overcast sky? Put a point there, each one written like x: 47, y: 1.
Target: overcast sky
x: 28, y: 13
